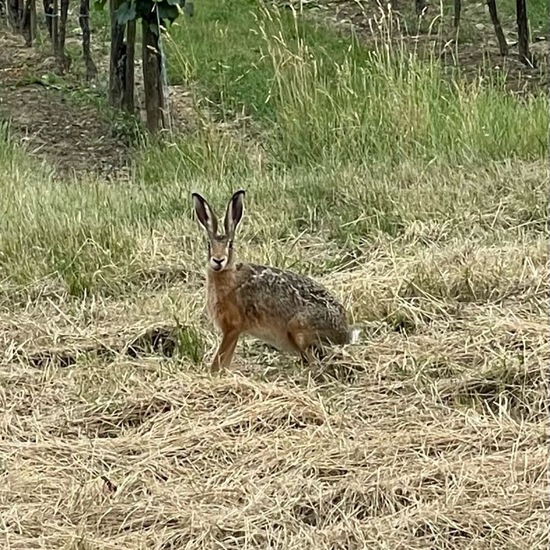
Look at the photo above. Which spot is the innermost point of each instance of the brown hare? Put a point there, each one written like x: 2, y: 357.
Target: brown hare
x: 289, y: 311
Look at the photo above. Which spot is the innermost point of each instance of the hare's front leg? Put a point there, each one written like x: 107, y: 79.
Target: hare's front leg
x: 225, y: 352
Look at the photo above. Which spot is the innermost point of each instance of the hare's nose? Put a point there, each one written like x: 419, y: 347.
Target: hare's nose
x: 217, y: 264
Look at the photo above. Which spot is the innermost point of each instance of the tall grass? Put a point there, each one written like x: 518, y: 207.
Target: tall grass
x: 348, y: 145
x: 392, y: 107
x: 91, y: 237
x: 350, y: 103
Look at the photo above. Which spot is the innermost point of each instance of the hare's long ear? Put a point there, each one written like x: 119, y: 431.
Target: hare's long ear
x: 206, y: 217
x: 234, y: 213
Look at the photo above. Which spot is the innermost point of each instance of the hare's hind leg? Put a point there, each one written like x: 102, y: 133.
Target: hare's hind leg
x: 226, y: 349
x: 303, y: 338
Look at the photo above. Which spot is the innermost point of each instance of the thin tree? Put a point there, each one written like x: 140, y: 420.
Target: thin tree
x: 129, y: 79
x: 62, y: 59
x: 84, y: 21
x: 458, y: 10
x: 19, y: 17
x: 48, y: 13
x: 32, y: 22
x: 502, y: 45
x: 117, y: 65
x: 155, y: 102
x: 523, y: 32
x: 55, y: 27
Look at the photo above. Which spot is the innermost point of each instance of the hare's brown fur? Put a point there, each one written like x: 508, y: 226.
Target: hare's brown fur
x: 286, y: 310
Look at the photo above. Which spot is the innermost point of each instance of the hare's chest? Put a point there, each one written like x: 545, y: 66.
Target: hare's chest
x: 223, y: 311
x: 214, y: 306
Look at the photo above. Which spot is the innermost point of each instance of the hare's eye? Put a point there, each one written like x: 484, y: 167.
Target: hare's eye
x: 230, y: 244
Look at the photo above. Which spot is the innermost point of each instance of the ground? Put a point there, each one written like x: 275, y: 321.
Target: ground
x: 413, y: 439
x: 429, y: 434
x: 70, y: 135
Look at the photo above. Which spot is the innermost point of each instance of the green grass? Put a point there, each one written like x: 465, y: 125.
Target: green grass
x: 320, y: 98
x: 221, y: 49
x: 93, y: 237
x: 537, y: 13
x: 345, y: 146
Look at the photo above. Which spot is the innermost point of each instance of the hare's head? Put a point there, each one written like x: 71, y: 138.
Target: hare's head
x: 220, y: 246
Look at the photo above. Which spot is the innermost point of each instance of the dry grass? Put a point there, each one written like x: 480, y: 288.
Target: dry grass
x: 429, y: 434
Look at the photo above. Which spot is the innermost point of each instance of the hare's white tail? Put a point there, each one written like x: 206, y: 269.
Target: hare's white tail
x: 354, y: 336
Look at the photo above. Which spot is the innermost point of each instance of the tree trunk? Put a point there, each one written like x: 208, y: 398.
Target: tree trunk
x: 117, y: 71
x: 458, y: 10
x: 62, y: 59
x: 13, y: 13
x: 503, y: 46
x: 55, y: 26
x: 420, y: 6
x: 523, y: 32
x: 48, y: 12
x: 19, y: 17
x: 32, y: 22
x: 152, y: 76
x: 25, y: 21
x: 84, y: 20
x: 130, y: 66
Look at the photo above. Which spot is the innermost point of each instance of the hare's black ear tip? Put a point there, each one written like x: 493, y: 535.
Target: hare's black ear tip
x: 239, y: 192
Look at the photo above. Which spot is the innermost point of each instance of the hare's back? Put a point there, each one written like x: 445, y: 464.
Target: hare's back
x: 283, y: 293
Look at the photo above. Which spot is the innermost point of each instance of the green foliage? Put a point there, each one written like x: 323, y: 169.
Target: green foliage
x: 126, y: 12
x: 129, y: 10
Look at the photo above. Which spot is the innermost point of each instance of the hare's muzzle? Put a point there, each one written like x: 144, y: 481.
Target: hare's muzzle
x: 217, y: 264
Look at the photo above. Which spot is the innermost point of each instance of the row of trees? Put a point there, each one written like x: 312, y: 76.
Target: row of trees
x: 154, y: 16
x: 22, y: 15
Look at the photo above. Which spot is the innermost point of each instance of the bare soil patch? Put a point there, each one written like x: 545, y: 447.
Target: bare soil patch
x: 73, y: 137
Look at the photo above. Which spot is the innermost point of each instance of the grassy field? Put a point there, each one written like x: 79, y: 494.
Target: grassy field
x: 419, y: 199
